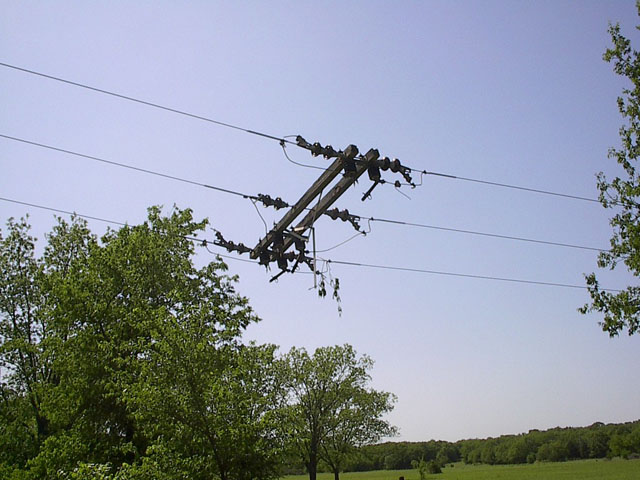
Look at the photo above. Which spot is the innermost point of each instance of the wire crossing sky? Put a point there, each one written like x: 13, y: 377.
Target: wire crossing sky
x: 144, y: 102
x: 285, y: 140
x: 337, y: 262
x: 254, y: 197
x: 507, y: 106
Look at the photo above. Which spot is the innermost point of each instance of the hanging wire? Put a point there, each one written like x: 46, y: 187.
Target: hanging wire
x: 401, y: 192
x: 364, y: 234
x: 358, y: 234
x: 284, y: 150
x: 266, y: 228
x: 422, y: 174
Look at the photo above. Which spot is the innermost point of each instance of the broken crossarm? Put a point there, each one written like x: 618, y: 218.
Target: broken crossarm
x: 318, y: 186
x: 326, y: 201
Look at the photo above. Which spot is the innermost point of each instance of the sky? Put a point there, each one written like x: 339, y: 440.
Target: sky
x: 510, y: 92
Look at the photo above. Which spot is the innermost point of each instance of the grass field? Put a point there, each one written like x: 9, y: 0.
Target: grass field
x: 578, y: 470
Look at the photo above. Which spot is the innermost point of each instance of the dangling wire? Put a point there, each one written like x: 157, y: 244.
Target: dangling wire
x: 422, y: 174
x: 369, y: 225
x: 397, y: 187
x: 313, y: 231
x: 322, y: 272
x: 342, y: 243
x: 284, y: 150
x: 266, y: 229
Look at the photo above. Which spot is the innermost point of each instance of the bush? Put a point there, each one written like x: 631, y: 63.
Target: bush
x: 433, y: 467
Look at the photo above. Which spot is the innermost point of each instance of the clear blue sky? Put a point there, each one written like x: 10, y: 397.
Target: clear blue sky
x: 512, y: 92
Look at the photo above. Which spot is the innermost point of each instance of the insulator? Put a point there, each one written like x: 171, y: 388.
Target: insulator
x: 267, y: 201
x: 345, y: 216
x: 384, y: 163
x: 395, y: 165
x: 279, y: 203
x: 302, y: 142
x: 282, y: 263
x: 329, y: 152
x: 242, y: 248
x: 316, y: 149
x: 333, y: 213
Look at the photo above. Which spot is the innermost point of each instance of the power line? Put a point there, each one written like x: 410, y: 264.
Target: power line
x: 144, y: 102
x: 88, y: 217
x: 253, y: 198
x: 463, y: 275
x: 507, y: 185
x: 57, y: 210
x: 337, y: 262
x: 284, y: 140
x: 352, y: 237
x: 484, y: 234
x: 124, y: 165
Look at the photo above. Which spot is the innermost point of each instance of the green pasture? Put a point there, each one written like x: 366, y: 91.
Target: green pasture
x: 578, y: 470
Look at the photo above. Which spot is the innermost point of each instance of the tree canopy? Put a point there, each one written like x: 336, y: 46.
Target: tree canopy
x: 332, y: 411
x: 122, y: 360
x: 622, y: 309
x: 120, y: 355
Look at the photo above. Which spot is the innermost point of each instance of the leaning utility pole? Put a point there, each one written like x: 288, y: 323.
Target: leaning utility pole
x: 348, y: 162
x: 281, y: 237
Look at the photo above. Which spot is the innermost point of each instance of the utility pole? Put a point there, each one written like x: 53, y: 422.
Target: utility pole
x: 348, y: 162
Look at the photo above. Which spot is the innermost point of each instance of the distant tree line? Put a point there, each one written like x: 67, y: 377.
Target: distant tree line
x: 554, y: 445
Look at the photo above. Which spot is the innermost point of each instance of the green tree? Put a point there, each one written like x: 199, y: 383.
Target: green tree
x: 424, y: 468
x: 448, y: 453
x: 123, y: 359
x: 555, y: 451
x: 597, y: 442
x: 28, y: 333
x: 212, y: 408
x: 622, y: 310
x: 331, y: 409
x: 624, y: 444
x: 518, y: 450
x: 421, y: 467
x: 488, y: 452
x: 356, y: 424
